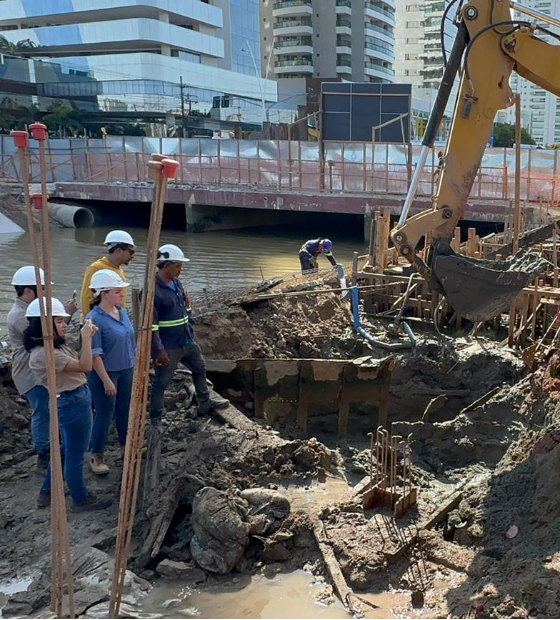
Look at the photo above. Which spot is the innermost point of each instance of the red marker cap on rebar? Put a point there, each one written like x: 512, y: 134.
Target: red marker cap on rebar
x: 170, y: 167
x: 21, y: 138
x: 38, y: 131
x: 37, y: 201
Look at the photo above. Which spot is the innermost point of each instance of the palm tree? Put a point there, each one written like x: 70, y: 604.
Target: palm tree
x: 62, y: 118
x: 18, y: 48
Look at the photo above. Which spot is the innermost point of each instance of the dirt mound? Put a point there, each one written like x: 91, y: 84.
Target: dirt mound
x: 314, y: 326
x: 516, y: 512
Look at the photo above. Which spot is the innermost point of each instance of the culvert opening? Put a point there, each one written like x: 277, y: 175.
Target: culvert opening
x: 83, y: 218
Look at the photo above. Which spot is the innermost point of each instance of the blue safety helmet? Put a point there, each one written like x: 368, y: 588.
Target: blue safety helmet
x: 327, y: 245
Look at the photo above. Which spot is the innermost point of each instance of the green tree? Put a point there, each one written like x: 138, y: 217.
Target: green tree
x: 19, y: 48
x: 7, y: 122
x: 63, y: 119
x: 13, y: 115
x: 504, y: 135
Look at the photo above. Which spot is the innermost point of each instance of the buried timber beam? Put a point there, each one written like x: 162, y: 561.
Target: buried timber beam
x: 345, y: 593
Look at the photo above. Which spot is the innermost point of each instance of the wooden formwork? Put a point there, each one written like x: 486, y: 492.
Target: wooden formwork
x: 389, y: 276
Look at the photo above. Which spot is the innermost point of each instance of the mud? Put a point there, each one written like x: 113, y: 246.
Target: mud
x: 500, y: 458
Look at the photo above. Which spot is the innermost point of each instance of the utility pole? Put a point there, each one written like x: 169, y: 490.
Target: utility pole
x: 182, y: 87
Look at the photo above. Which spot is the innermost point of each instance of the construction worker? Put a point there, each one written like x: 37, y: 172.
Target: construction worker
x: 25, y: 381
x: 309, y: 252
x: 73, y: 400
x: 120, y: 250
x: 114, y: 352
x: 173, y: 336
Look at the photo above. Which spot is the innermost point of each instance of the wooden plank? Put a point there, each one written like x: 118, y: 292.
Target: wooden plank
x: 345, y: 594
x: 555, y: 254
x: 482, y: 400
x: 456, y: 242
x: 232, y: 416
x: 384, y: 241
x: 444, y: 509
x: 535, y: 310
x: 471, y: 242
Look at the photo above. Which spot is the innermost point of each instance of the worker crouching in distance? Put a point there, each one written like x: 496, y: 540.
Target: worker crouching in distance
x: 114, y: 352
x: 173, y: 336
x: 309, y: 252
x: 73, y: 398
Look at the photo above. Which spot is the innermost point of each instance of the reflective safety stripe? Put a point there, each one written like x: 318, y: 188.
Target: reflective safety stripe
x: 174, y: 323
x: 155, y: 328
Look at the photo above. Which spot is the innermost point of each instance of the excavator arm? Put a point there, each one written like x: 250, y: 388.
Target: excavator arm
x: 491, y: 45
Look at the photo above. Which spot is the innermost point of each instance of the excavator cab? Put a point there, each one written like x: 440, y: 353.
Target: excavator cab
x: 489, y: 45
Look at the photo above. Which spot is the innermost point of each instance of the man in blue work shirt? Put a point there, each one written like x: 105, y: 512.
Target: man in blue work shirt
x: 309, y: 252
x: 173, y: 336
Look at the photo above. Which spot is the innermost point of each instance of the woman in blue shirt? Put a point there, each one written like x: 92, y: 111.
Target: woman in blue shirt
x: 114, y: 351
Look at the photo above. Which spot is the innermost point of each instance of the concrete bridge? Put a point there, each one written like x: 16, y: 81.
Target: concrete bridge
x: 233, y: 184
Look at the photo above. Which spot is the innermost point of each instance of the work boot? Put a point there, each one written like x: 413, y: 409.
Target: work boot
x: 44, y: 499
x: 43, y: 460
x: 213, y: 403
x: 98, y: 465
x: 91, y: 503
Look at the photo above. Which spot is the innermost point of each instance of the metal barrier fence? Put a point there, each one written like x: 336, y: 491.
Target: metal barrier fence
x: 281, y: 166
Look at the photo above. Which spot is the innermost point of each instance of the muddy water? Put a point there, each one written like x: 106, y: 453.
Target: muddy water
x: 218, y: 260
x: 292, y: 595
x: 286, y: 595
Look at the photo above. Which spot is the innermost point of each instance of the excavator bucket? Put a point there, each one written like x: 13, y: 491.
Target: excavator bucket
x: 479, y: 289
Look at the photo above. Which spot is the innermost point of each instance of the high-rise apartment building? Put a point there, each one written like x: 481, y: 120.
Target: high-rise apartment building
x: 419, y: 57
x: 346, y: 39
x: 541, y: 107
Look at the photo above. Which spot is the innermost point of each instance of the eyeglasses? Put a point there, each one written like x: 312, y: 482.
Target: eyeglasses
x: 131, y: 251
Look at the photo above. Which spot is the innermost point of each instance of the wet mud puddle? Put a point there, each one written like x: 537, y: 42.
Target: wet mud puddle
x: 292, y: 595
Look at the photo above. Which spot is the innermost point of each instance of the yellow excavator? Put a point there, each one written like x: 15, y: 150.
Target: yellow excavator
x: 490, y: 43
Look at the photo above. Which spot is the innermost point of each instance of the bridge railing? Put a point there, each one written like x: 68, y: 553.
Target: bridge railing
x: 354, y: 168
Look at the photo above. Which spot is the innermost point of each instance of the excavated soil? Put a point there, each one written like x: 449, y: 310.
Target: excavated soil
x: 496, y: 553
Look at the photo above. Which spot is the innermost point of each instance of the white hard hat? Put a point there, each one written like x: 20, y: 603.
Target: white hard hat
x: 106, y: 279
x: 172, y: 253
x: 25, y: 276
x: 34, y: 309
x: 118, y: 236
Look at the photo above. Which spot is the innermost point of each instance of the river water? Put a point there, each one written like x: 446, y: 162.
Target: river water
x: 220, y: 260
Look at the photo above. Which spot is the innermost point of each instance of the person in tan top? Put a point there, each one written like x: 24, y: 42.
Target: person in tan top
x: 73, y: 399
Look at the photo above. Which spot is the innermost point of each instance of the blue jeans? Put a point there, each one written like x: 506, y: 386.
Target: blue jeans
x: 109, y: 407
x: 308, y: 263
x: 38, y: 399
x: 74, y: 423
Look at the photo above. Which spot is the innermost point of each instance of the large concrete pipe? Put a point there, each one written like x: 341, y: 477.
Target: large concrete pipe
x: 71, y: 216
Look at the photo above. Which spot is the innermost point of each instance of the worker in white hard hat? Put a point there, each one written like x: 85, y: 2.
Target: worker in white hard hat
x: 25, y: 285
x: 114, y: 352
x: 120, y: 251
x: 73, y: 400
x: 173, y: 336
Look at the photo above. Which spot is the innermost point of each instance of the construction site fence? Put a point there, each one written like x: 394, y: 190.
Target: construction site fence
x: 345, y: 167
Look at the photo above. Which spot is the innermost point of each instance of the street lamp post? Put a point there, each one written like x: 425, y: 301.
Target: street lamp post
x: 259, y: 79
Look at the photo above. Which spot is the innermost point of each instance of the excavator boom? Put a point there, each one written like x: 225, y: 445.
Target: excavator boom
x: 491, y: 45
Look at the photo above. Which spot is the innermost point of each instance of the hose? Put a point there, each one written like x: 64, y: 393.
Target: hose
x: 391, y: 346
